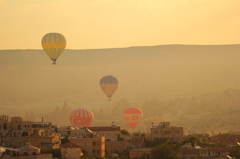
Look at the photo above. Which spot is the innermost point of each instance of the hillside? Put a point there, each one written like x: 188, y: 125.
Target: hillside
x: 29, y: 81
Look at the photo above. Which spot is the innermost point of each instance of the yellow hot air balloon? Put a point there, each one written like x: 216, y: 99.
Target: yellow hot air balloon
x: 109, y: 85
x: 53, y: 44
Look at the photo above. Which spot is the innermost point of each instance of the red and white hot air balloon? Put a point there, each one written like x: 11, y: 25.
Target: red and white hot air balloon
x: 132, y: 116
x: 81, y: 117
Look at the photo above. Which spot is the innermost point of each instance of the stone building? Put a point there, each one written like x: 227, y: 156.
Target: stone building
x: 142, y: 153
x: 73, y: 131
x: 45, y: 140
x: 93, y: 146
x: 116, y: 146
x: 25, y: 152
x: 70, y: 150
x: 196, y: 152
x: 14, y: 131
x: 165, y: 131
x: 111, y: 133
x: 28, y: 149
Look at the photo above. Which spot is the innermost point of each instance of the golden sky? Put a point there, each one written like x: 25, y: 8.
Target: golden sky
x: 91, y: 24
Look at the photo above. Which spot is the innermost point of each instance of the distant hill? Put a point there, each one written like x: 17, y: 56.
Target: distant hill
x: 29, y: 80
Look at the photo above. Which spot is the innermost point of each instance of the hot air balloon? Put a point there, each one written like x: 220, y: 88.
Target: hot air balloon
x: 53, y: 44
x: 81, y: 117
x: 109, y: 85
x: 132, y: 116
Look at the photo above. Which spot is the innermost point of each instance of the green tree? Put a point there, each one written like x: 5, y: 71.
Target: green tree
x: 56, y: 153
x: 120, y: 139
x: 193, y: 140
x: 137, y: 133
x: 65, y: 139
x: 155, y: 142
x: 124, y: 154
x: 165, y: 151
x: 125, y: 132
x: 235, y: 153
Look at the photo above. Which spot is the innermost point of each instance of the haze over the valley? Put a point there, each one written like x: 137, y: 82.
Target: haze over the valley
x: 164, y: 74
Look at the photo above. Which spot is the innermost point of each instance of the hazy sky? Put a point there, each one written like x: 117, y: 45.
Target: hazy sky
x: 88, y: 24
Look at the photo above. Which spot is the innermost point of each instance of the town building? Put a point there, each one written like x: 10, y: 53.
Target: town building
x: 93, y: 146
x: 25, y: 152
x: 142, y: 153
x: 70, y: 150
x: 14, y: 131
x: 196, y: 152
x: 117, y: 147
x: 165, y: 131
x: 28, y: 149
x: 46, y: 140
x: 111, y: 133
x: 226, y: 139
x: 72, y: 131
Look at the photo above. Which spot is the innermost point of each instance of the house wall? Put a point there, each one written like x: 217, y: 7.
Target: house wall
x: 116, y: 146
x: 71, y: 153
x: 93, y: 146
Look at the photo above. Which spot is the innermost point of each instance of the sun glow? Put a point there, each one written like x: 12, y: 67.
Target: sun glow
x: 107, y: 23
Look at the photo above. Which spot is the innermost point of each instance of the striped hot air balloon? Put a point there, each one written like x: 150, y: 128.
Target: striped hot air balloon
x: 132, y: 116
x: 53, y: 44
x: 109, y: 85
x: 81, y: 117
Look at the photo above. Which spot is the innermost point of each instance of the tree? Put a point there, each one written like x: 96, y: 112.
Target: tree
x: 56, y: 153
x: 155, y: 142
x: 125, y: 132
x: 65, y: 139
x: 124, y: 154
x: 235, y: 153
x: 120, y: 139
x: 193, y: 140
x: 165, y: 151
x: 137, y: 133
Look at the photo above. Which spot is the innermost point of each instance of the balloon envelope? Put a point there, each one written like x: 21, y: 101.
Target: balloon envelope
x: 109, y: 85
x: 132, y: 116
x: 53, y: 44
x: 81, y: 117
